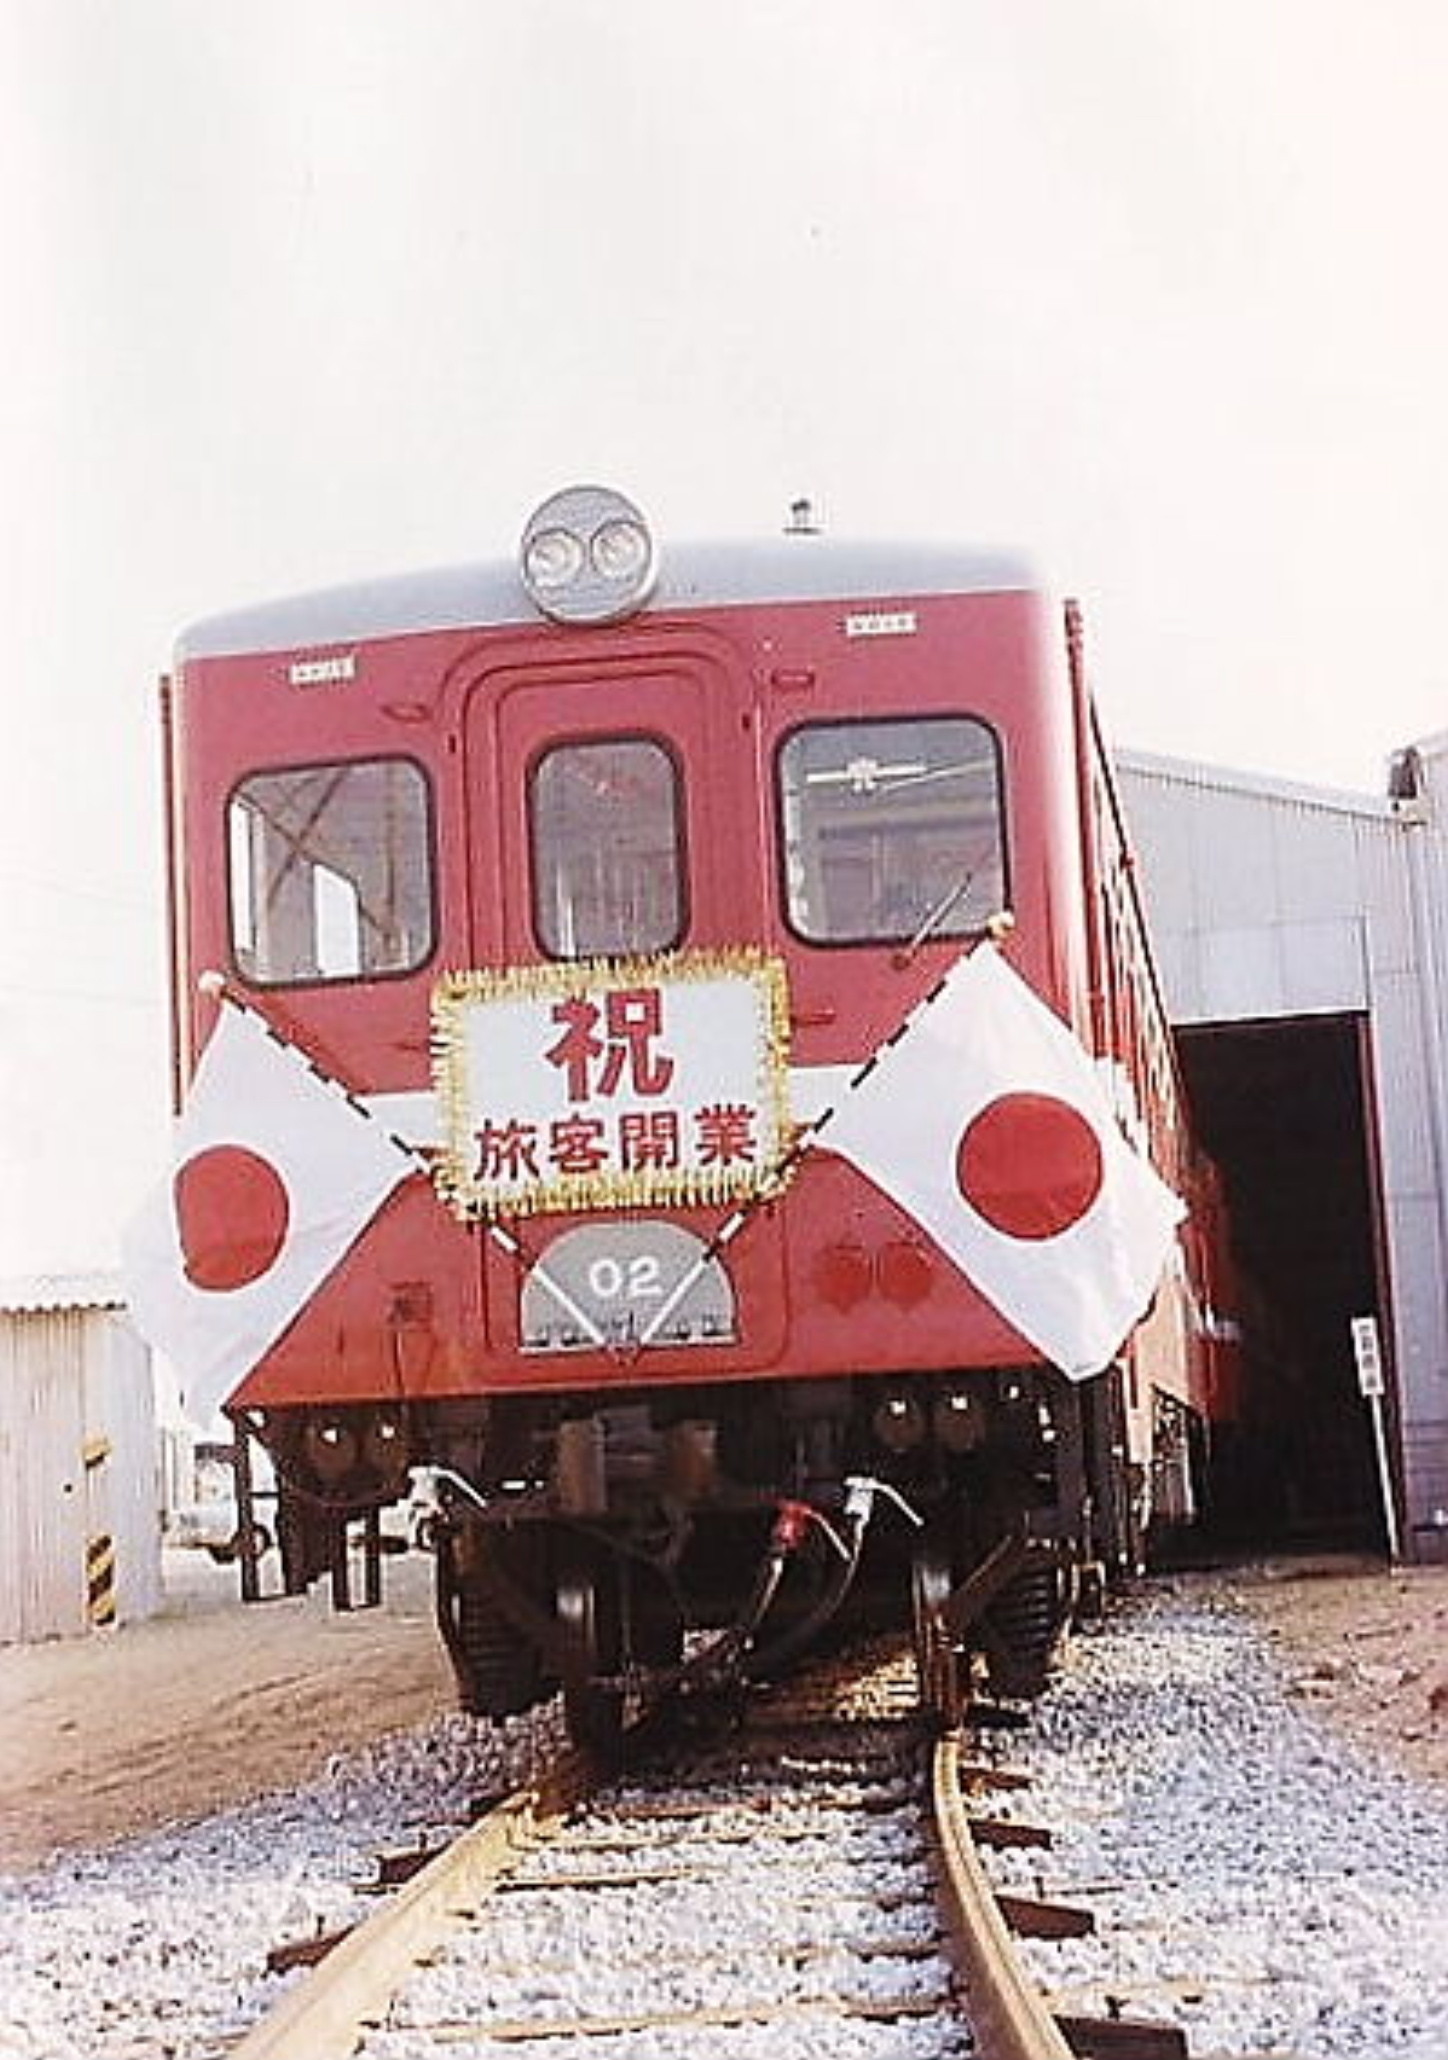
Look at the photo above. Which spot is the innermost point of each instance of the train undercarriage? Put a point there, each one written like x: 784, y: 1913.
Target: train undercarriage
x: 585, y: 1548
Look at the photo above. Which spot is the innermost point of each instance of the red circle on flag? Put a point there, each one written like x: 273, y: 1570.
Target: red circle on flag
x: 231, y: 1211
x: 1029, y: 1164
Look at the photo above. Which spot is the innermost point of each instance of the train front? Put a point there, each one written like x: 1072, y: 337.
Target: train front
x: 624, y: 999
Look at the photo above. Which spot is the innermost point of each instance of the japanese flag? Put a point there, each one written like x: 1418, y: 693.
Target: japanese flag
x: 987, y: 1120
x: 277, y: 1170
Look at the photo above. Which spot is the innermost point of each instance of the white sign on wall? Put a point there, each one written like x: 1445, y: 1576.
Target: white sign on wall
x: 1368, y: 1352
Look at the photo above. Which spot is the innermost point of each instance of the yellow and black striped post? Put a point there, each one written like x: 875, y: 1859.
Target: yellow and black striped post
x: 100, y: 1550
x: 100, y: 1578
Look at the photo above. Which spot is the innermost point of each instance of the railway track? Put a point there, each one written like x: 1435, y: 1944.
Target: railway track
x: 809, y: 1883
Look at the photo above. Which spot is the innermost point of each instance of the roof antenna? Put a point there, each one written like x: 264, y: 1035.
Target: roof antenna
x: 802, y: 518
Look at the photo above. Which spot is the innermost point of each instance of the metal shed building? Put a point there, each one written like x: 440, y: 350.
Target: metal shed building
x: 80, y: 1537
x: 1302, y: 937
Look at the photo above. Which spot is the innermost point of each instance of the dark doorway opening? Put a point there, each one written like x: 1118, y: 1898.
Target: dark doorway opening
x: 1281, y: 1106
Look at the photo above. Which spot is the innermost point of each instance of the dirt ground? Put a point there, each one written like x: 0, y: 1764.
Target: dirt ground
x: 1367, y: 1647
x: 210, y: 1704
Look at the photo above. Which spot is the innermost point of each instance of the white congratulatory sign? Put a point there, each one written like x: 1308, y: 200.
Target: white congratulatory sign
x: 612, y: 1086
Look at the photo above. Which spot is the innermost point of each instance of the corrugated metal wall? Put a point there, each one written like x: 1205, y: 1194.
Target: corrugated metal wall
x: 1269, y: 900
x: 1258, y: 894
x: 78, y: 1468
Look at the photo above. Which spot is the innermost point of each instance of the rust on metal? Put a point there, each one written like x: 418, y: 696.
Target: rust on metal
x: 305, y: 1952
x: 1003, y: 1832
x: 1031, y: 1917
x: 1119, y: 2038
x: 974, y: 1774
x: 394, y: 1868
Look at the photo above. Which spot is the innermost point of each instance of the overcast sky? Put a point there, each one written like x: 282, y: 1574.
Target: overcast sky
x: 299, y: 290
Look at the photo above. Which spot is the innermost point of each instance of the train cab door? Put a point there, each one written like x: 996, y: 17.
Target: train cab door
x: 605, y: 804
x: 614, y: 814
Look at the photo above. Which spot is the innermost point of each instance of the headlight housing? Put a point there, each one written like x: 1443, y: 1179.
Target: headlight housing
x: 587, y: 556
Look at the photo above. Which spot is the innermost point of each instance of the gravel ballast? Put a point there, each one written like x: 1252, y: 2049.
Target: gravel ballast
x: 1254, y: 1879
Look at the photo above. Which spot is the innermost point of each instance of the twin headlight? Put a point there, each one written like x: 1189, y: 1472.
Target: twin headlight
x: 587, y: 556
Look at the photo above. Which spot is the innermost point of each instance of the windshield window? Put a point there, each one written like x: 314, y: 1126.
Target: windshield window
x: 608, y: 877
x: 330, y: 872
x: 891, y: 829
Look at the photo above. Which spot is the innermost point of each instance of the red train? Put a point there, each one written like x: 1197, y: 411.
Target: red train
x: 663, y: 915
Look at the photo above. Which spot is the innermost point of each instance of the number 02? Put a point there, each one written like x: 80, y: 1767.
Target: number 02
x: 635, y: 1279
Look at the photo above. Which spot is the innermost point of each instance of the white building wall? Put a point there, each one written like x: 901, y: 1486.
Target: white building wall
x: 1268, y: 900
x: 42, y: 1506
x: 1425, y: 809
x: 78, y: 1465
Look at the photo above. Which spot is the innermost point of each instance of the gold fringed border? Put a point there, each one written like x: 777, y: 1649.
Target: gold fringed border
x: 455, y: 993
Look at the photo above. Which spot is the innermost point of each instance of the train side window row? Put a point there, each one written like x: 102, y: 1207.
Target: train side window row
x: 891, y: 830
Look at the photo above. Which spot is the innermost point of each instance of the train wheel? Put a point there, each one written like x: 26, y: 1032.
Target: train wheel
x: 656, y: 1624
x: 593, y: 1699
x: 1024, y: 1624
x: 938, y: 1662
x: 499, y: 1671
x: 1091, y: 1593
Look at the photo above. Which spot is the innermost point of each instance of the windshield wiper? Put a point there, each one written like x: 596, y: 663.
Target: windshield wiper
x: 936, y: 914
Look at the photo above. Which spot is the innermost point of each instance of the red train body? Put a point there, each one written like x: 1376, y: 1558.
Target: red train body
x: 669, y: 879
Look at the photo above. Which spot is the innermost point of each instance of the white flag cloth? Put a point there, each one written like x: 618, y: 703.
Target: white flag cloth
x: 276, y: 1172
x: 987, y: 1120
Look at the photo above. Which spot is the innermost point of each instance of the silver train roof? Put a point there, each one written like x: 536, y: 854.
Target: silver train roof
x: 486, y: 594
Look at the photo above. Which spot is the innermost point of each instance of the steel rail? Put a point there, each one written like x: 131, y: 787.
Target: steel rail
x: 1009, y: 2014
x: 325, y: 2015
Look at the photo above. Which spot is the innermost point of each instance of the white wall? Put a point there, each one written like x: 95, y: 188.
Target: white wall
x: 74, y: 1382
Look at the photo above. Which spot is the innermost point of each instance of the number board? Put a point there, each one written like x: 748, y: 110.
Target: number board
x: 617, y: 1085
x: 625, y: 1281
